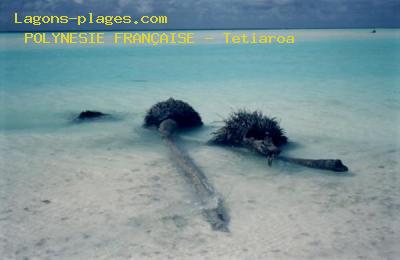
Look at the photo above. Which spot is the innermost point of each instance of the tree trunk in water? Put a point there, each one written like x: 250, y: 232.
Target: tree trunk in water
x: 324, y: 164
x: 216, y: 214
x: 267, y: 148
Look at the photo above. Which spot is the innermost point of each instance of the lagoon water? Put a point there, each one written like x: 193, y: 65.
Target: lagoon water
x: 110, y: 189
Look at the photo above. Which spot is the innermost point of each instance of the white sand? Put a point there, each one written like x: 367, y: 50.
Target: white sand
x: 111, y: 197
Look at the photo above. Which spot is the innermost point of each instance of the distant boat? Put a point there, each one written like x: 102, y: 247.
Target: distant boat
x: 373, y: 31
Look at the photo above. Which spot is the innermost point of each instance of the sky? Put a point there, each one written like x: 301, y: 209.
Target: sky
x: 212, y: 14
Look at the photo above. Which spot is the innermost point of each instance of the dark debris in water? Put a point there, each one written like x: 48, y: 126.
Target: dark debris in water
x: 88, y: 114
x: 181, y: 112
x: 244, y: 124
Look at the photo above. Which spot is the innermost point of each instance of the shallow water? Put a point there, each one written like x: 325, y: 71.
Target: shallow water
x: 114, y: 191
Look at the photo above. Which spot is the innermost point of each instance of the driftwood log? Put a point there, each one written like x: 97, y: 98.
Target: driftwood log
x: 263, y: 134
x: 172, y: 115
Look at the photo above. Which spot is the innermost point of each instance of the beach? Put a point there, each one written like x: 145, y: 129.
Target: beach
x: 111, y: 189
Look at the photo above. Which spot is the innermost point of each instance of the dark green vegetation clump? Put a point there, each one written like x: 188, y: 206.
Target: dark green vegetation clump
x: 181, y: 112
x: 243, y: 124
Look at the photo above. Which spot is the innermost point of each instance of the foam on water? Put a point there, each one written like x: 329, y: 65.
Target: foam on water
x: 115, y: 192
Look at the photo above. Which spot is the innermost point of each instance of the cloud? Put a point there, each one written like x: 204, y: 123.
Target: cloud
x: 223, y: 13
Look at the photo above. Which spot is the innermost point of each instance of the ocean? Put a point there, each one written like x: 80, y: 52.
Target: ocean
x: 110, y: 188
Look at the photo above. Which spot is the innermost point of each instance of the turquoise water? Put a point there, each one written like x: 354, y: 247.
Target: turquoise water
x: 335, y: 92
x: 349, y: 69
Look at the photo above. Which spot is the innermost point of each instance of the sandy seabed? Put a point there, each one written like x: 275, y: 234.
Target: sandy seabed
x: 82, y: 196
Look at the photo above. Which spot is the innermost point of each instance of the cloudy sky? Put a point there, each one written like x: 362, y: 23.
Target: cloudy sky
x: 213, y: 14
